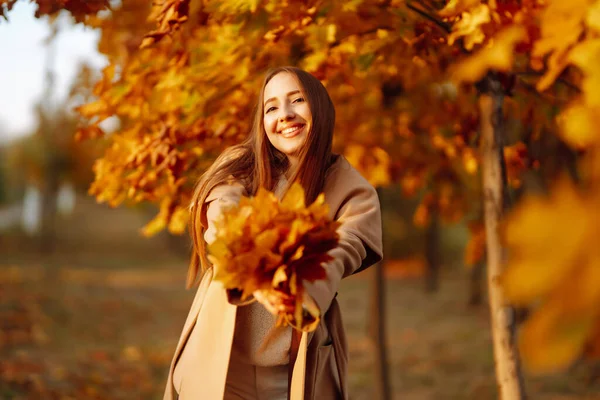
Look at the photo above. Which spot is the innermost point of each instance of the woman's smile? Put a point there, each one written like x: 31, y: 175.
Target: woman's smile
x: 292, y: 131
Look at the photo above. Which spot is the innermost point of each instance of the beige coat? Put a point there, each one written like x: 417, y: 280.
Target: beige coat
x: 321, y: 365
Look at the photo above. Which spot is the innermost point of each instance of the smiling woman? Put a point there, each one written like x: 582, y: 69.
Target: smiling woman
x: 231, y: 349
x: 287, y: 118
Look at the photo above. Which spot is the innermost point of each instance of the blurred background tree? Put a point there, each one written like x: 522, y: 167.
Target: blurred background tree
x: 46, y: 167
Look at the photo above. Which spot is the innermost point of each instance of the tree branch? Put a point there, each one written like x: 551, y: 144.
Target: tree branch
x: 544, y: 96
x: 428, y: 5
x: 430, y: 17
x: 560, y: 80
x: 359, y: 34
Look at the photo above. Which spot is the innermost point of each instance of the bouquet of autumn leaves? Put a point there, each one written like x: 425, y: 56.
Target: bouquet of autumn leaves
x: 267, y: 244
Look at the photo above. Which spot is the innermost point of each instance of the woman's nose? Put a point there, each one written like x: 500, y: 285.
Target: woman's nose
x: 286, y: 113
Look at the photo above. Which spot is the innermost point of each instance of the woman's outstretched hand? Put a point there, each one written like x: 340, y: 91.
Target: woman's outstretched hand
x: 280, y: 303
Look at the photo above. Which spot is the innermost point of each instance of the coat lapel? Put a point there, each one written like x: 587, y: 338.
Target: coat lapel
x: 299, y: 371
x: 204, y: 376
x: 205, y: 372
x: 187, y: 328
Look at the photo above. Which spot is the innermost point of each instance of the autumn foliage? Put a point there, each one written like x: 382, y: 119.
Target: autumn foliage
x: 264, y: 244
x: 554, y: 265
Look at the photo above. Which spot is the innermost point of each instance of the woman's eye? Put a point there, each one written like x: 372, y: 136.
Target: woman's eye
x: 269, y: 110
x: 299, y: 100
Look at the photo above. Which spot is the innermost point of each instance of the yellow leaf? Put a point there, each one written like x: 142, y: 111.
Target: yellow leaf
x: 319, y: 209
x: 592, y: 19
x: 293, y: 284
x: 156, y: 225
x: 109, y: 72
x: 297, y: 228
x: 280, y: 275
x: 92, y: 109
x: 580, y: 125
x: 268, y: 209
x: 147, y: 42
x: 469, y: 159
x: 231, y: 225
x: 558, y: 223
x: 557, y: 62
x: 294, y: 198
x: 346, y: 47
x: 562, y: 24
x: 354, y: 154
x: 586, y: 56
x: 298, y: 254
x: 580, y: 292
x: 497, y: 55
x: 351, y: 5
x: 178, y: 221
x: 267, y: 239
x: 380, y: 173
x: 562, y: 289
x: 218, y: 250
x: 551, y: 340
x: 421, y: 216
x: 313, y: 61
x: 560, y: 327
x: 469, y: 26
x: 373, y: 163
x: 456, y: 7
x: 331, y: 31
x: 271, y: 260
x: 382, y: 34
x: 274, y: 34
x: 248, y: 260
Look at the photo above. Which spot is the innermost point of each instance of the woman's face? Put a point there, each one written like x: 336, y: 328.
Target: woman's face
x: 286, y: 115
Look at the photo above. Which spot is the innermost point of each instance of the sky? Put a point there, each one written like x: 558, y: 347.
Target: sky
x: 22, y: 64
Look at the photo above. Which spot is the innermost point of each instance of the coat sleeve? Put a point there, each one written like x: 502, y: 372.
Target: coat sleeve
x: 360, y: 242
x: 219, y: 198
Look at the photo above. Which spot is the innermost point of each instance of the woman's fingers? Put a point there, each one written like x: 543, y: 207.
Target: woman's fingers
x: 262, y: 297
x: 275, y: 302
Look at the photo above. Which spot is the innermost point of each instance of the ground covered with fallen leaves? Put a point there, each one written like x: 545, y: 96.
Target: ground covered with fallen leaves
x: 100, y: 316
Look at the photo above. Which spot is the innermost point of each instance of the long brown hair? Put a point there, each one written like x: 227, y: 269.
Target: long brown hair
x: 256, y: 163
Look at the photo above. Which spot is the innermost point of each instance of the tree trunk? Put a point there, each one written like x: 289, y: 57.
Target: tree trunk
x: 432, y: 252
x: 508, y: 371
x: 377, y: 333
x: 49, y: 209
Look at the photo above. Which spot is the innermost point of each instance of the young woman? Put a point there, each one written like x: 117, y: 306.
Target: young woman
x: 233, y: 350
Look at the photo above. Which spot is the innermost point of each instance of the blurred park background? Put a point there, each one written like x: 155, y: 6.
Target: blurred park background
x: 92, y: 297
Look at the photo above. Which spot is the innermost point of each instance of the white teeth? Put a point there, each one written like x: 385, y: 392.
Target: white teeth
x: 293, y: 129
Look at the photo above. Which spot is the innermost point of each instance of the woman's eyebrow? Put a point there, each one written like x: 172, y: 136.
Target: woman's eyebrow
x: 293, y: 92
